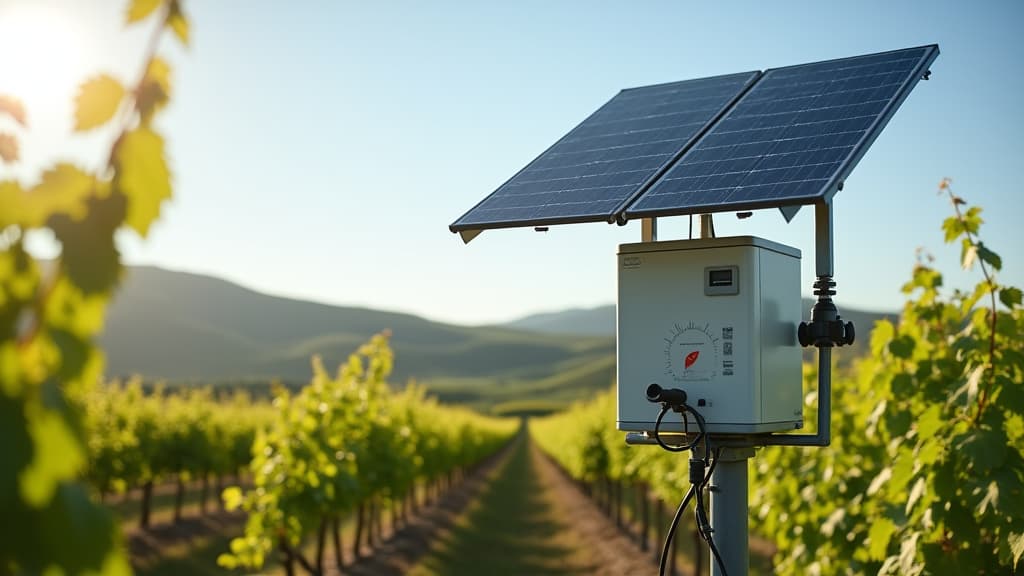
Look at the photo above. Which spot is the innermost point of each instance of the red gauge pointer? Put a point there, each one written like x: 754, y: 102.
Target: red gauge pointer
x: 691, y: 358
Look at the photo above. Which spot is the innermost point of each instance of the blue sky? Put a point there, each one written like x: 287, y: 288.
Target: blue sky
x: 320, y: 149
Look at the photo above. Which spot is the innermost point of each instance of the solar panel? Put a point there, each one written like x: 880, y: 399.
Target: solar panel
x: 603, y: 163
x: 791, y: 139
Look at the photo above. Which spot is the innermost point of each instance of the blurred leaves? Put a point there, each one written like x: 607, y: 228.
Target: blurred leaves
x: 8, y: 148
x: 14, y: 108
x: 51, y: 314
x: 140, y: 9
x: 143, y: 177
x: 98, y: 100
x: 177, y: 22
x: 1010, y: 297
x: 63, y: 189
x: 90, y: 258
x: 56, y: 457
x: 155, y: 89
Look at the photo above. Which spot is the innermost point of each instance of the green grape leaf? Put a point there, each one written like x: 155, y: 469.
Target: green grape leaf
x: 140, y: 9
x: 74, y: 533
x: 879, y: 535
x: 881, y: 335
x: 1010, y: 297
x: 57, y: 456
x: 902, y: 346
x: 1017, y: 547
x: 8, y: 148
x: 915, y: 494
x: 902, y: 385
x: 178, y: 22
x: 991, y: 498
x: 12, y: 203
x: 968, y: 253
x: 989, y: 257
x: 63, y: 189
x: 986, y: 449
x: 930, y: 422
x: 90, y: 258
x: 142, y: 177
x: 232, y: 498
x: 14, y: 429
x: 953, y: 228
x: 13, y: 108
x: 879, y: 480
x: 155, y: 89
x: 972, y: 220
x: 97, y: 102
x: 227, y: 561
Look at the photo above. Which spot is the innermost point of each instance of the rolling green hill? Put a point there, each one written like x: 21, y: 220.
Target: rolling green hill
x: 184, y: 327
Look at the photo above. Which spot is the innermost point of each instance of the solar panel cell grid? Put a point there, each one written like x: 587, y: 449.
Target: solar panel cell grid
x: 786, y: 139
x: 591, y: 172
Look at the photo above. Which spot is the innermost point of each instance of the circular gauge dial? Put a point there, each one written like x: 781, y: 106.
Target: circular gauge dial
x: 691, y: 353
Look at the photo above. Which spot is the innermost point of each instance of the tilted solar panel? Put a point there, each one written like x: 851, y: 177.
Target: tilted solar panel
x: 612, y: 156
x: 791, y: 139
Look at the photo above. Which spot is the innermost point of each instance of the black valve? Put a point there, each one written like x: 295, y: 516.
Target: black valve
x: 826, y: 328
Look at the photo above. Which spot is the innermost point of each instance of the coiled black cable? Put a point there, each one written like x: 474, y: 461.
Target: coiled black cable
x: 698, y: 479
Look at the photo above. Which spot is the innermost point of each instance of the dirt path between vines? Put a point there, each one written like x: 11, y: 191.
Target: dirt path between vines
x: 526, y: 519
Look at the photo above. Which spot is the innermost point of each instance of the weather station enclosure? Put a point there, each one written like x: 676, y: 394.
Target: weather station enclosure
x: 718, y: 318
x: 711, y: 329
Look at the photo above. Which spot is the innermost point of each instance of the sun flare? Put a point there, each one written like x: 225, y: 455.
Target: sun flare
x: 43, y: 56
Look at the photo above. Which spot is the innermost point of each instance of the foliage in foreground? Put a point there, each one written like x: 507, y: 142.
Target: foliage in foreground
x: 926, y: 471
x: 50, y: 316
x: 340, y: 442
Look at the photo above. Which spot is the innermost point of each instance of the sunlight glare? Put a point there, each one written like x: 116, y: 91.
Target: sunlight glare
x: 43, y: 57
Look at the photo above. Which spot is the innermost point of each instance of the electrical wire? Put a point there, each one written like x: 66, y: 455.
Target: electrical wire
x: 672, y: 530
x: 696, y: 489
x: 684, y: 447
x: 703, y: 526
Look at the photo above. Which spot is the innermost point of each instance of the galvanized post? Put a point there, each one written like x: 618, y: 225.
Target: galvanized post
x: 729, y: 511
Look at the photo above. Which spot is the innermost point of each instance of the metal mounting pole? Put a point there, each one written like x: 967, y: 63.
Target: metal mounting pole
x: 707, y: 226
x: 729, y: 511
x: 649, y: 230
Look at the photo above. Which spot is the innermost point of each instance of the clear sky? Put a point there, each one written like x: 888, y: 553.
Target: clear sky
x: 320, y: 149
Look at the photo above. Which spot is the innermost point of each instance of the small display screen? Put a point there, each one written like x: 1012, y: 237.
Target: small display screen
x: 720, y: 277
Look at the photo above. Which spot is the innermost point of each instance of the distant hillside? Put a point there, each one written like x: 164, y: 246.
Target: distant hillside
x: 598, y: 321
x: 188, y: 327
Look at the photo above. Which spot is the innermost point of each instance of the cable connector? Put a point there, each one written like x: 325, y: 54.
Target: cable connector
x: 696, y: 471
x: 674, y: 398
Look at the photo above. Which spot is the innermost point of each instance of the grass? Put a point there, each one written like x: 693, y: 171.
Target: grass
x: 512, y: 529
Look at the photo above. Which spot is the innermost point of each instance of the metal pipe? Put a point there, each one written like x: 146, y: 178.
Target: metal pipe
x: 649, y: 230
x: 823, y: 254
x: 707, y: 226
x: 823, y: 436
x: 823, y: 250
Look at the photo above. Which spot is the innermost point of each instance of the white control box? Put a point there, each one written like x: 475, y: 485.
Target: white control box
x: 716, y: 318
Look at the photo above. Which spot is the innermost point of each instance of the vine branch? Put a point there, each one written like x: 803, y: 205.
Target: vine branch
x: 128, y: 110
x: 990, y: 381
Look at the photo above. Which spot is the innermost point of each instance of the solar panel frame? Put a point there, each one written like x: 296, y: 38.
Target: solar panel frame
x: 832, y: 184
x: 612, y: 215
